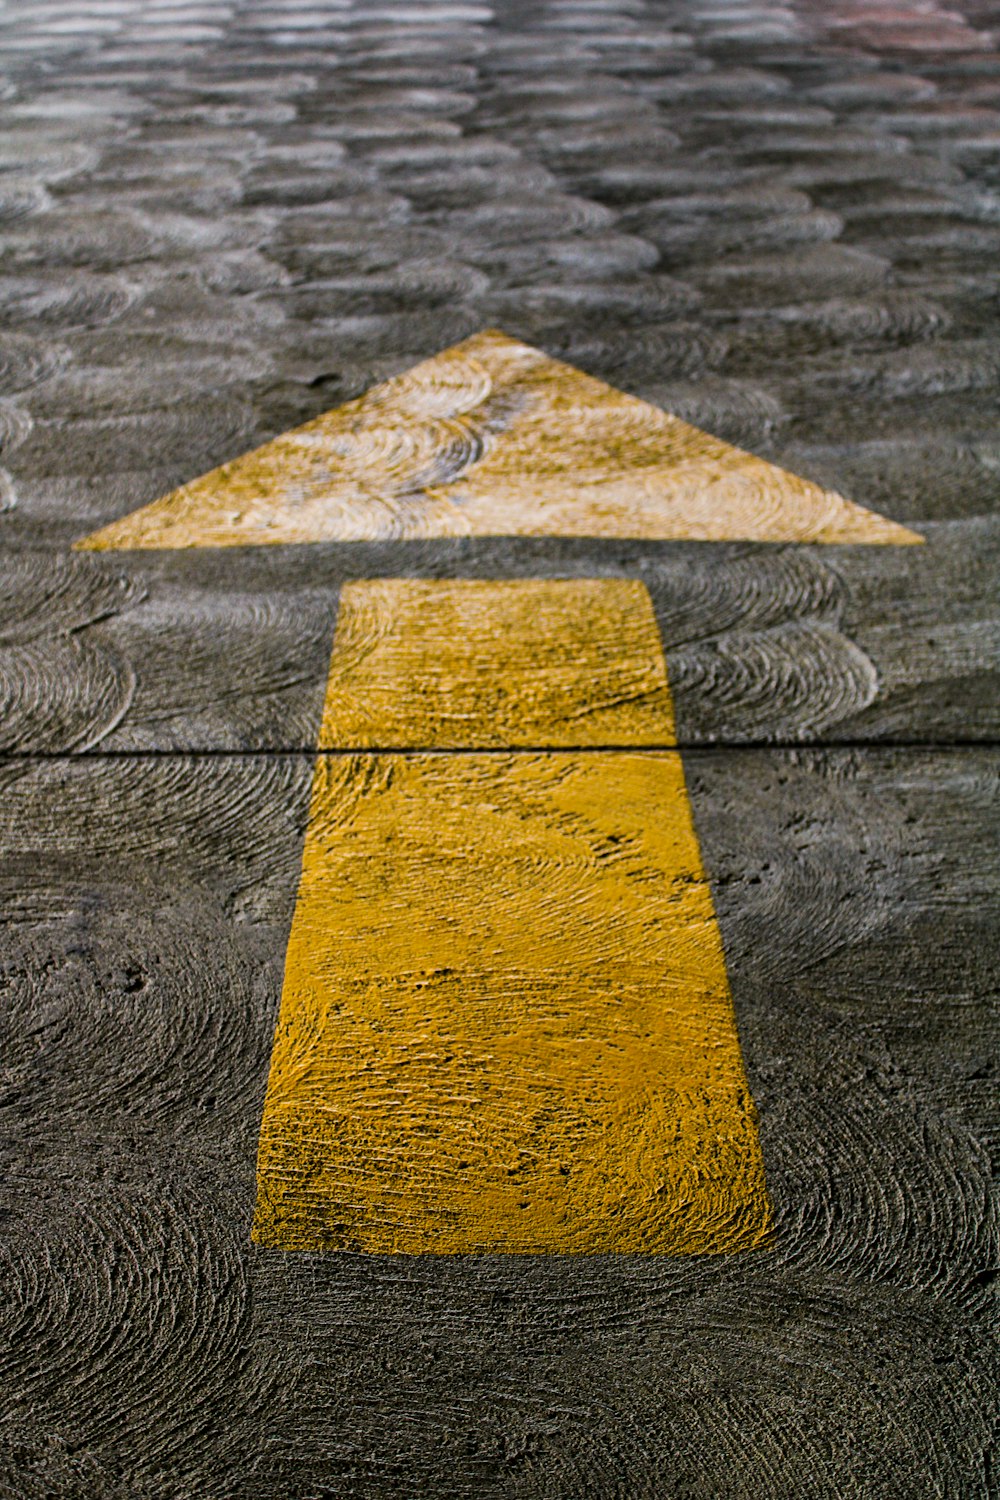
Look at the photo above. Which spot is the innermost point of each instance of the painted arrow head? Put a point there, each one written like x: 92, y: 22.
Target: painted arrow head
x: 494, y: 438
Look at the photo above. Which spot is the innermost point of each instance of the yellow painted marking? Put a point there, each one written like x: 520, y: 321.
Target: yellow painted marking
x: 483, y: 663
x: 505, y: 1022
x: 494, y: 438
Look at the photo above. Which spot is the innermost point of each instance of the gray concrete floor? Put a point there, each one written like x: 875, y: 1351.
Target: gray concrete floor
x: 221, y: 218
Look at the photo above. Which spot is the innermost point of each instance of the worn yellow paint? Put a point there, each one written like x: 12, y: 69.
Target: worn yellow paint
x: 486, y: 663
x: 490, y: 438
x: 505, y: 1022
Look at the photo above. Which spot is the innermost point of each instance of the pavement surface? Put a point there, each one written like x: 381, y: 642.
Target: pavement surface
x: 221, y: 219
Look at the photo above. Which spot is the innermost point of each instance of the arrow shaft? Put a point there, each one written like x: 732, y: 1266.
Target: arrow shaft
x: 505, y: 1022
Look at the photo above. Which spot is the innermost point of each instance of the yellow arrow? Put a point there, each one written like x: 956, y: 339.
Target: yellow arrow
x: 493, y: 438
x: 505, y: 1022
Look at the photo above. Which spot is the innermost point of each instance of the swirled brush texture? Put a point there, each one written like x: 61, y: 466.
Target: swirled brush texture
x: 221, y: 219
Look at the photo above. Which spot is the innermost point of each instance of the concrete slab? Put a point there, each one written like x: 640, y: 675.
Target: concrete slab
x: 146, y: 907
x: 230, y: 650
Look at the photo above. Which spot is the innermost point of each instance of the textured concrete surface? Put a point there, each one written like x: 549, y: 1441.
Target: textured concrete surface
x: 219, y: 219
